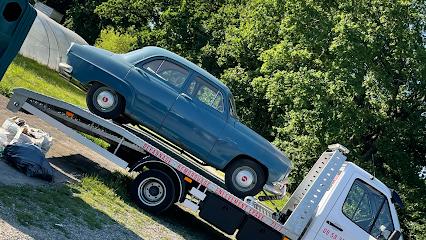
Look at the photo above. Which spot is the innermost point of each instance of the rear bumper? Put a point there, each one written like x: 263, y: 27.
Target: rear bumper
x: 65, y: 68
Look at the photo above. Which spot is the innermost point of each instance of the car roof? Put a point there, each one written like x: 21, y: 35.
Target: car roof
x: 136, y: 56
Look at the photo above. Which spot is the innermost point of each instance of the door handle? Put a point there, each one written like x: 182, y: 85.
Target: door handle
x: 334, y: 225
x: 186, y: 96
x: 140, y: 71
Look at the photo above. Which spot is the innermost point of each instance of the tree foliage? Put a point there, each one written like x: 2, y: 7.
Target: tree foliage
x: 352, y: 72
x: 115, y: 41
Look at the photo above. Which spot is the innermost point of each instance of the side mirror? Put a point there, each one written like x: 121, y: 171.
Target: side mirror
x: 395, y: 235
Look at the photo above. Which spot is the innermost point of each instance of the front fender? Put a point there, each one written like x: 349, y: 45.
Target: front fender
x: 233, y: 144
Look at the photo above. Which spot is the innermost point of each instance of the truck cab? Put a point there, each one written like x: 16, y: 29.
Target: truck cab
x: 356, y: 206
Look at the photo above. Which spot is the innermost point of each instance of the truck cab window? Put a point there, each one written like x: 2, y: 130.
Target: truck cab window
x: 167, y: 71
x: 369, y: 209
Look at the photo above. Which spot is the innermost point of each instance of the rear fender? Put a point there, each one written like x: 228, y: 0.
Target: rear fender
x: 91, y: 64
x: 121, y: 87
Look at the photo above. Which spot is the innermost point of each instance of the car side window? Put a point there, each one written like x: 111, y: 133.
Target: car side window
x: 206, y: 93
x: 167, y: 71
x: 369, y: 209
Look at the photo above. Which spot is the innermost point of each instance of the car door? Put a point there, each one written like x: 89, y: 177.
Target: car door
x: 157, y: 83
x: 198, y: 116
x: 16, y: 19
x: 361, y: 212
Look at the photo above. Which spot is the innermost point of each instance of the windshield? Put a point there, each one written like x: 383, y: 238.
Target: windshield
x: 232, y: 108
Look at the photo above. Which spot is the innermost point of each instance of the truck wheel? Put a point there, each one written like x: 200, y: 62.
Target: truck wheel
x: 153, y: 191
x: 244, y: 177
x: 104, y: 101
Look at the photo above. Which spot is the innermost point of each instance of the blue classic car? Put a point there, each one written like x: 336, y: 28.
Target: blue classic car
x: 183, y: 103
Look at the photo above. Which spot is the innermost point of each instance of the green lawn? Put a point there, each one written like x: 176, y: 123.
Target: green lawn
x: 27, y: 73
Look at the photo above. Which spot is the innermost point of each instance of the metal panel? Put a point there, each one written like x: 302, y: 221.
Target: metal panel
x: 75, y: 135
x: 309, y: 193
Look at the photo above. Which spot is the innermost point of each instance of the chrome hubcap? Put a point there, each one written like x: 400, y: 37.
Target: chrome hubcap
x: 106, y: 99
x: 244, y: 178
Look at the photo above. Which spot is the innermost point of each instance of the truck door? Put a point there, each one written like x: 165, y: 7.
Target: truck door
x: 16, y: 19
x: 361, y: 212
x: 197, y: 117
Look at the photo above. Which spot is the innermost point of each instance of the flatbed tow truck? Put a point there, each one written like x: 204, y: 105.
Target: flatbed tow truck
x: 336, y: 200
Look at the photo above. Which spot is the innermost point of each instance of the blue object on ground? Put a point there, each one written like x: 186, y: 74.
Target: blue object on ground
x: 29, y: 160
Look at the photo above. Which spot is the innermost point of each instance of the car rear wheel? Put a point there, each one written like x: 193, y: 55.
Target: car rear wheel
x: 104, y: 101
x: 244, y: 177
x: 153, y: 191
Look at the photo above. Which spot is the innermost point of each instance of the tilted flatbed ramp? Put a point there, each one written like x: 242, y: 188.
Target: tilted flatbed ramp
x: 66, y: 117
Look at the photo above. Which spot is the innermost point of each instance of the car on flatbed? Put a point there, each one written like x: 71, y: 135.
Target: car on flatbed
x: 183, y: 103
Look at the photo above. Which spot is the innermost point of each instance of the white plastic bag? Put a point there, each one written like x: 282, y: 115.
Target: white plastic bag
x: 40, y: 139
x: 10, y: 126
x: 3, y: 137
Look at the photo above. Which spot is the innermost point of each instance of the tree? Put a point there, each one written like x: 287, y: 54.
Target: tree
x: 247, y: 29
x: 81, y: 18
x: 175, y: 25
x: 116, y: 42
x: 353, y: 72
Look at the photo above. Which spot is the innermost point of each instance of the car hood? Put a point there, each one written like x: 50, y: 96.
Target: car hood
x: 263, y: 142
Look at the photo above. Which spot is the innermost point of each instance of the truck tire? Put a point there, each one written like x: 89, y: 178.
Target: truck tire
x: 104, y: 101
x: 153, y: 191
x: 244, y: 177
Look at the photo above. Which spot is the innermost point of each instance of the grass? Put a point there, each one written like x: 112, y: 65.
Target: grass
x: 45, y: 207
x: 97, y: 141
x: 92, y: 202
x: 27, y: 73
x: 97, y: 201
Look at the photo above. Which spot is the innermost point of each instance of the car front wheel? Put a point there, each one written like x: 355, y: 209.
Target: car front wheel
x: 104, y: 101
x: 244, y: 177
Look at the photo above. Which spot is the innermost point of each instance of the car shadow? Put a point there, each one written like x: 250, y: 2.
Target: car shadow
x: 176, y: 218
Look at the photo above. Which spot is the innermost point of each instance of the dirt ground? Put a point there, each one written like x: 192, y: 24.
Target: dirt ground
x: 66, y: 155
